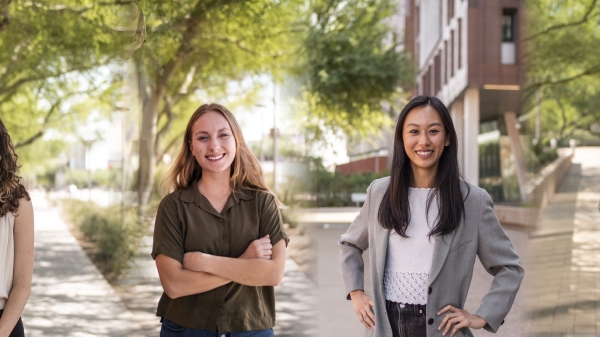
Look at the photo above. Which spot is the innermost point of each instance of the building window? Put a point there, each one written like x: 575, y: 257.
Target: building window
x: 450, y: 10
x: 445, y: 62
x: 459, y: 43
x: 508, y: 25
x: 451, y: 54
x: 437, y: 66
x: 509, y: 38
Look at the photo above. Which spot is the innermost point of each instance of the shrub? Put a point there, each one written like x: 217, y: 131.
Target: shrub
x: 115, y: 235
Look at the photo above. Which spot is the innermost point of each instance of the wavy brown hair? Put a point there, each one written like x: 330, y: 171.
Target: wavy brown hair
x: 11, y: 187
x: 246, y: 173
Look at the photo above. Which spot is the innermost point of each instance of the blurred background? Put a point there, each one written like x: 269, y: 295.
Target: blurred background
x: 96, y: 96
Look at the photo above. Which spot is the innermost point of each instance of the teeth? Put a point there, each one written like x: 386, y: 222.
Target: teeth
x: 216, y: 157
x: 424, y: 152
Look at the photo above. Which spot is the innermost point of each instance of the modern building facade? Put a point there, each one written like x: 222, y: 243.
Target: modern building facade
x: 468, y: 54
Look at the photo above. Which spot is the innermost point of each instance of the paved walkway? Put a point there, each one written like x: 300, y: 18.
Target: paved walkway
x: 563, y: 269
x: 69, y: 296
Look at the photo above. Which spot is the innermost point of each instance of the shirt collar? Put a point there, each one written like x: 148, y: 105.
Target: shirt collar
x: 192, y: 194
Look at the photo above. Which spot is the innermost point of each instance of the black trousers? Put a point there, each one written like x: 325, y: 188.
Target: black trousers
x: 407, y: 320
x: 18, y: 330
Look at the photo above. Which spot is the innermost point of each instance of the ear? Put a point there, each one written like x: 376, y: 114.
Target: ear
x: 447, y: 142
x: 191, y: 147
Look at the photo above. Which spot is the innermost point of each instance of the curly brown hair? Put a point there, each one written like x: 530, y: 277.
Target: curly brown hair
x: 11, y: 187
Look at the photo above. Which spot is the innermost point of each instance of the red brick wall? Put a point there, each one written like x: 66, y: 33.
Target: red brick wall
x: 364, y: 165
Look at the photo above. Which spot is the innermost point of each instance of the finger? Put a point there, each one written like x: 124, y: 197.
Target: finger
x: 369, y: 320
x: 446, y: 308
x: 262, y: 241
x: 458, y: 326
x: 267, y: 252
x: 445, y: 319
x: 361, y: 320
x: 450, y: 323
x: 266, y: 236
x: 370, y: 315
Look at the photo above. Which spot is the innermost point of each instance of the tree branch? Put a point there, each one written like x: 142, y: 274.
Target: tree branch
x: 17, y: 84
x: 42, y: 130
x: 167, y: 148
x: 5, y: 15
x: 168, y: 112
x: 593, y: 70
x: 583, y: 20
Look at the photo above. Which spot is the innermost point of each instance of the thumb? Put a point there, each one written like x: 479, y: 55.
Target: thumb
x: 266, y: 236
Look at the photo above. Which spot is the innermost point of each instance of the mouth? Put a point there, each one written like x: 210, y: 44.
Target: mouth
x: 216, y: 157
x: 424, y: 153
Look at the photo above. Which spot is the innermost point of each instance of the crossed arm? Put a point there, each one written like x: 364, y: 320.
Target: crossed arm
x: 260, y: 265
x: 23, y: 268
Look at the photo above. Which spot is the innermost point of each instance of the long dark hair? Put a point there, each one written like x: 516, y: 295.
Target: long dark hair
x: 394, y: 211
x: 11, y: 187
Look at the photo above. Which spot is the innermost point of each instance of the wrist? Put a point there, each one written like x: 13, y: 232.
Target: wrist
x: 355, y: 293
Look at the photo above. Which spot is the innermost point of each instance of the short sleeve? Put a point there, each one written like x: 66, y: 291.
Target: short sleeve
x: 270, y: 220
x: 168, y: 233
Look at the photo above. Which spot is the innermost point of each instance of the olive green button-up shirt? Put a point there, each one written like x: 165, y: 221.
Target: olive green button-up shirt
x: 187, y: 222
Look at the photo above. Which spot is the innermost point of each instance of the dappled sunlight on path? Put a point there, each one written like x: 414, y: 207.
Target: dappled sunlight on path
x: 69, y: 295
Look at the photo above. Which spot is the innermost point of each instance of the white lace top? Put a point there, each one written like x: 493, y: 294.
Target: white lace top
x: 409, y: 259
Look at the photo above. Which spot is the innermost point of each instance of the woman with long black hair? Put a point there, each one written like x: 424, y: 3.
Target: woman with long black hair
x: 16, y: 241
x: 424, y: 226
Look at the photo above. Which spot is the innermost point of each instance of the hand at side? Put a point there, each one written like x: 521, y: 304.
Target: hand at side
x: 362, y: 304
x: 460, y: 318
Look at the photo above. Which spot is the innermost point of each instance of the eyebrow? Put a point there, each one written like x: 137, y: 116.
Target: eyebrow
x: 430, y: 125
x: 220, y: 130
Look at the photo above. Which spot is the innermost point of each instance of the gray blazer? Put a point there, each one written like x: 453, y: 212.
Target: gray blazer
x: 454, y: 254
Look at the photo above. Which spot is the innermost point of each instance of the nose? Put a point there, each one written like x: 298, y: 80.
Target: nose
x: 424, y: 139
x: 214, y: 144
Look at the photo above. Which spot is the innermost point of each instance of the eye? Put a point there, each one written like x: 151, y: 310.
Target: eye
x: 413, y: 131
x: 202, y: 138
x: 434, y: 131
x: 224, y: 135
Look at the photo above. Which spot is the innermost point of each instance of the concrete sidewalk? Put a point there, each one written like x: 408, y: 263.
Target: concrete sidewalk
x: 69, y: 295
x: 563, y: 270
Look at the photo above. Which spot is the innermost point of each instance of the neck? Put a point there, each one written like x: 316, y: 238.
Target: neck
x: 423, y: 178
x: 214, y: 183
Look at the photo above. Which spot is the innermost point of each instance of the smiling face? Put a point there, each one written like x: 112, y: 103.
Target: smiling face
x: 213, y: 144
x: 424, y: 138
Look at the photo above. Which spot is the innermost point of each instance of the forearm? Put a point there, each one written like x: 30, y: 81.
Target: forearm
x: 14, y: 308
x: 177, y: 281
x: 250, y: 272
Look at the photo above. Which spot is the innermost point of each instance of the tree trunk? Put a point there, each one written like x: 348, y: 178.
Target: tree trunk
x: 148, y: 129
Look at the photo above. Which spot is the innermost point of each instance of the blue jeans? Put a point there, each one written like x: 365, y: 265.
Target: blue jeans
x: 170, y: 329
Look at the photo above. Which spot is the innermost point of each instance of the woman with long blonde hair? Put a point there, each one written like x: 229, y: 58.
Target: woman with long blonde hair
x: 16, y: 240
x: 219, y: 243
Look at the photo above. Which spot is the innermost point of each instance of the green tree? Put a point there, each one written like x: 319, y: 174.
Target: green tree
x: 354, y: 67
x: 198, y: 48
x: 563, y: 69
x: 50, y: 56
